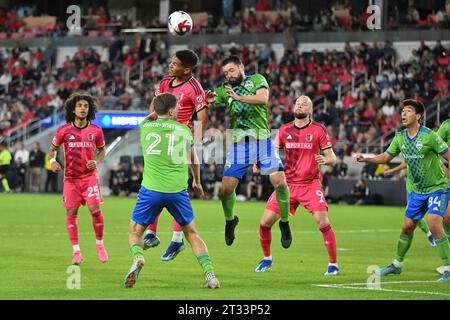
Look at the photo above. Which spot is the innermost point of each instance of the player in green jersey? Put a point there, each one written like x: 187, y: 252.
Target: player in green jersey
x: 246, y: 99
x: 5, y: 162
x: 426, y: 183
x: 167, y: 149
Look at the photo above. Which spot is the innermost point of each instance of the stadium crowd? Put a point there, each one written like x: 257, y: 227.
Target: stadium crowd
x: 253, y: 16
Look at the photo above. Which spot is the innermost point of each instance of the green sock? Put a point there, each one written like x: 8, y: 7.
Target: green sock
x: 136, y: 251
x: 443, y: 248
x: 283, y: 203
x: 228, y: 206
x: 404, y: 243
x: 205, y: 262
x: 447, y: 231
x: 5, y: 184
x: 423, y: 225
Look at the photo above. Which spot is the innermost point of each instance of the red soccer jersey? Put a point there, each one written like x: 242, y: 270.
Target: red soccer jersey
x: 300, y: 146
x: 190, y: 95
x: 79, y: 147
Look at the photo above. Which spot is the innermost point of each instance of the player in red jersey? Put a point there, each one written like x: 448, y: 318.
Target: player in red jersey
x: 191, y: 101
x: 302, y: 141
x: 80, y: 139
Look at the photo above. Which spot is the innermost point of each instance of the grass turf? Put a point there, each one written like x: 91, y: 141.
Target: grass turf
x: 35, y: 255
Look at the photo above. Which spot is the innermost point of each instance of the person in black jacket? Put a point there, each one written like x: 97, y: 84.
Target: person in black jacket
x: 37, y: 162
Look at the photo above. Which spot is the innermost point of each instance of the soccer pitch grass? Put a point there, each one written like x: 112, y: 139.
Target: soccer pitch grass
x: 35, y: 254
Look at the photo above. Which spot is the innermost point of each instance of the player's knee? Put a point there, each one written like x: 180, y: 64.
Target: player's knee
x: 227, y: 191
x: 72, y: 211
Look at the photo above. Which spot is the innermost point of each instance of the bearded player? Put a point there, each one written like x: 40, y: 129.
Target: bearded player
x: 80, y: 139
x: 302, y: 140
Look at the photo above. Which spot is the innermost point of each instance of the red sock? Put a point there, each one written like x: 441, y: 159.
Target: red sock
x: 265, y: 237
x: 330, y: 242
x: 154, y: 226
x: 72, y: 228
x: 99, y: 224
x: 176, y: 226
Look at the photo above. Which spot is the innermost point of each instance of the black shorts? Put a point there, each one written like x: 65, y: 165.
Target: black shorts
x: 4, y: 169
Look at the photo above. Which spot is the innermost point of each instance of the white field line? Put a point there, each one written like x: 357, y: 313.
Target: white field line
x: 359, y: 286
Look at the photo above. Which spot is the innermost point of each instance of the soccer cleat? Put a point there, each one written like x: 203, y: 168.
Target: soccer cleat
x: 173, y: 250
x: 211, y: 281
x: 133, y: 274
x: 229, y: 230
x: 102, y: 254
x: 286, y: 236
x: 390, y: 269
x: 264, y: 265
x: 431, y: 240
x: 445, y: 277
x: 151, y: 240
x: 77, y: 258
x: 441, y: 270
x: 332, y: 270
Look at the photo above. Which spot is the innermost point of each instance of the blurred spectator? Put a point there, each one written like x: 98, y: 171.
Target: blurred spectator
x: 340, y: 169
x: 119, y: 181
x: 254, y: 184
x: 37, y: 162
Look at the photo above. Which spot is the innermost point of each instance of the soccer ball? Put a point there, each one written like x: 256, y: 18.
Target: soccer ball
x: 179, y: 23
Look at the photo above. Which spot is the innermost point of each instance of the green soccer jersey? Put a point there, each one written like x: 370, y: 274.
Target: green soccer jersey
x: 165, y: 143
x: 444, y: 131
x: 5, y: 158
x: 246, y: 119
x: 425, y: 174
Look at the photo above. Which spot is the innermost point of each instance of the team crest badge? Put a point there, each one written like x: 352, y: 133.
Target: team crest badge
x: 309, y: 137
x: 249, y: 85
x: 90, y: 136
x: 419, y: 145
x: 199, y: 98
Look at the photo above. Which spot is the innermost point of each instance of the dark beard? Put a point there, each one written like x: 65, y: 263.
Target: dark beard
x: 299, y: 115
x: 237, y: 81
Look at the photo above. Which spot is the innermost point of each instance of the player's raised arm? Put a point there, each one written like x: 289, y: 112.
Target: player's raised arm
x: 396, y: 169
x: 261, y: 96
x: 378, y: 159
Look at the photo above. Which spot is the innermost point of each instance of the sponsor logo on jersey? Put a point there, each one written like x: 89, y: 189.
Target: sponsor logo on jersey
x: 289, y: 137
x: 71, y: 137
x: 81, y: 144
x: 298, y: 145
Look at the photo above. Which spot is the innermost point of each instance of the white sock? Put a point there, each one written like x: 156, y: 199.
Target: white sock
x: 268, y: 258
x: 150, y: 231
x: 76, y: 248
x: 177, y: 236
x: 98, y: 241
x: 333, y: 264
x: 397, y: 264
x: 429, y: 233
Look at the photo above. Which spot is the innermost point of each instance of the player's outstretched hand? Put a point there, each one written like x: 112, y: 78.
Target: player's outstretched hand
x: 91, y: 165
x: 358, y: 157
x: 389, y: 172
x: 231, y: 93
x: 56, y: 167
x: 198, y: 189
x: 320, y: 159
x: 210, y: 96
